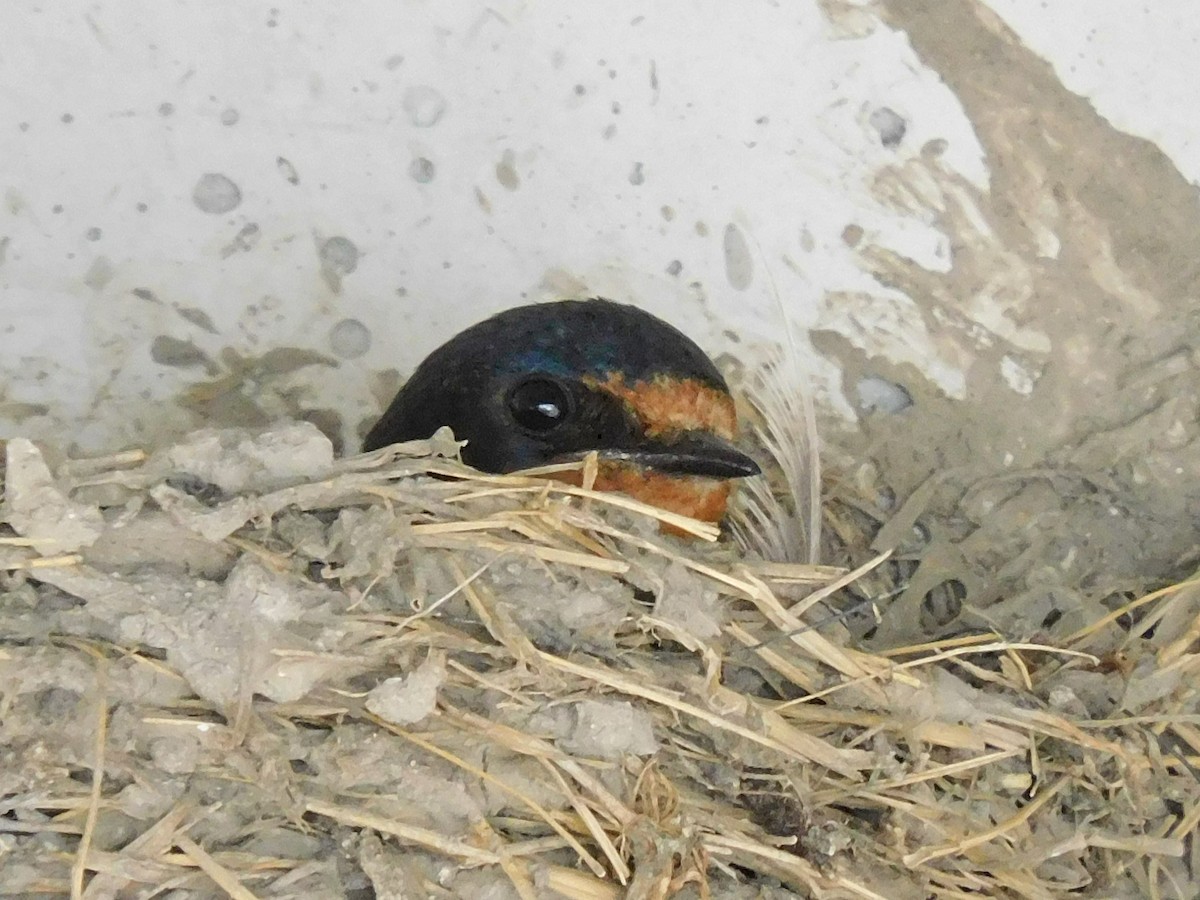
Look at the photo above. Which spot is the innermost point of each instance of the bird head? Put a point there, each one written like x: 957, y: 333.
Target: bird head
x: 551, y: 382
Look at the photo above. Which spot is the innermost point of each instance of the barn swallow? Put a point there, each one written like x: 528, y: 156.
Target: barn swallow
x: 550, y: 382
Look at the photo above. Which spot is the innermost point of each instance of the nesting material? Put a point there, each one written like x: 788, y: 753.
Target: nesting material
x: 239, y: 667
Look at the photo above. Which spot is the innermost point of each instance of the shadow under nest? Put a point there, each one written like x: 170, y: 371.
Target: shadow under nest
x: 238, y: 666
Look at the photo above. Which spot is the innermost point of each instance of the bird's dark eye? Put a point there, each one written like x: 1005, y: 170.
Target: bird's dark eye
x: 540, y: 405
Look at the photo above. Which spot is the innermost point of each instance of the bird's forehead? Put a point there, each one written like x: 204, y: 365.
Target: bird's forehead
x: 662, y: 402
x: 661, y: 376
x: 667, y: 404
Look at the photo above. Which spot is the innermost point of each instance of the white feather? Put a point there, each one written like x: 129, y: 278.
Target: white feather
x: 785, y: 425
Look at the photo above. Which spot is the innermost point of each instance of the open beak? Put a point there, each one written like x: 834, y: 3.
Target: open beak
x: 691, y: 453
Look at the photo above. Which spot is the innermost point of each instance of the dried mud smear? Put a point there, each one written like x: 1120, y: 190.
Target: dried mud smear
x: 1078, y: 271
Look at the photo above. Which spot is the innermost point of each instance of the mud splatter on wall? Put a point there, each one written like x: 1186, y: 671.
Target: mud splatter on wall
x: 1066, y: 464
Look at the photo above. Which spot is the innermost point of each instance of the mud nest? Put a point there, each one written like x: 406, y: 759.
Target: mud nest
x: 238, y: 666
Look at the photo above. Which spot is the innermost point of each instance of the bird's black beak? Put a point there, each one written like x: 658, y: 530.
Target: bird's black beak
x: 690, y: 453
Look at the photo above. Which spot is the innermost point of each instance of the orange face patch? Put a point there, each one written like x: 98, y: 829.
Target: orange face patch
x: 667, y: 405
x: 688, y: 495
